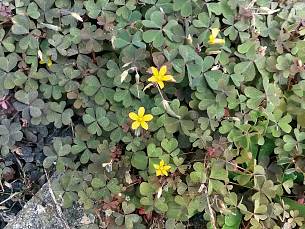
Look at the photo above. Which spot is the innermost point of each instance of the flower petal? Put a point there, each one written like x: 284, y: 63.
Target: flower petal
x: 161, y: 84
x: 133, y: 116
x: 158, y: 172
x: 144, y: 125
x: 152, y: 79
x: 161, y: 163
x: 135, y: 125
x: 165, y: 172
x: 215, y: 32
x: 154, y: 71
x: 50, y: 63
x: 167, y: 167
x: 156, y: 166
x: 212, y: 39
x: 168, y: 78
x: 147, y: 117
x: 163, y: 70
x: 141, y: 112
x: 219, y: 41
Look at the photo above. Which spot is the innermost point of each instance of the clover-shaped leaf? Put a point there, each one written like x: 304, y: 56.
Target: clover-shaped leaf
x: 93, y: 8
x: 202, y: 21
x: 199, y: 173
x: 139, y: 160
x: 92, y: 86
x: 281, y: 123
x: 283, y: 64
x: 291, y: 142
x: 246, y: 70
x: 33, y: 11
x: 51, y: 89
x: 9, y: 134
x: 123, y: 96
x: 56, y: 154
x: 91, y: 37
x: 69, y: 80
x: 172, y: 125
x: 255, y: 97
x: 96, y: 120
x: 6, y: 42
x: 84, y: 148
x: 146, y: 189
x: 153, y: 151
x: 58, y: 114
x: 45, y: 5
x: 185, y: 7
x: 232, y: 220
x: 131, y: 219
x: 21, y: 24
x: 172, y: 29
x: 9, y: 62
x: 218, y: 172
x: 201, y: 138
x: 170, y: 146
x: 29, y: 104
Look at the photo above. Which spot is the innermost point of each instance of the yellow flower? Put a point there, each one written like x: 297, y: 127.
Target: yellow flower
x: 162, y: 169
x: 213, y: 37
x: 50, y: 63
x: 140, y: 119
x: 160, y: 76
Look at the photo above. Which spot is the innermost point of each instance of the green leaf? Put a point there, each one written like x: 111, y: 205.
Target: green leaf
x: 156, y: 20
x: 114, y: 186
x: 153, y: 151
x: 206, y: 97
x: 131, y: 219
x: 246, y: 69
x: 8, y: 43
x: 284, y: 123
x: 184, y: 6
x: 48, y: 161
x: 139, y: 160
x: 128, y: 207
x: 169, y: 145
x: 232, y: 220
x: 9, y: 62
x: 91, y: 85
x: 188, y: 53
x: 154, y: 36
x: 203, y: 20
x: 146, y: 189
x: 161, y: 205
x: 21, y: 24
x: 199, y: 175
x: 212, y: 78
x: 245, y: 47
x: 294, y: 205
x: 33, y: 10
x: 121, y: 40
x: 45, y: 5
x: 218, y: 172
x: 97, y: 183
x: 171, y: 124
x: 256, y: 97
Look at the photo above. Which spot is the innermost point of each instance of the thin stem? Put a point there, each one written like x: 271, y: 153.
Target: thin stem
x: 10, y: 197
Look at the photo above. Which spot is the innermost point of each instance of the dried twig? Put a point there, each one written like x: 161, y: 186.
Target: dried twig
x: 10, y: 197
x: 212, y: 217
x: 58, y: 208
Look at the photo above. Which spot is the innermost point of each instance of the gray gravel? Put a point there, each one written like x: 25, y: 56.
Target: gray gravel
x: 40, y: 213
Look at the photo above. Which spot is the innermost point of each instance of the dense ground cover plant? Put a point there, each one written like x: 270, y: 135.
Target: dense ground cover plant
x: 175, y: 108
